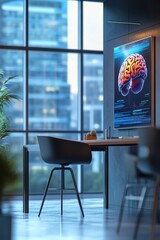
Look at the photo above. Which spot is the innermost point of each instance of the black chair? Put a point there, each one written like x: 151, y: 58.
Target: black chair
x: 149, y: 163
x: 63, y: 152
x: 135, y: 190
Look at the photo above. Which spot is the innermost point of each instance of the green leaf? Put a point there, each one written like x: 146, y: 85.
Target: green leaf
x: 7, y: 95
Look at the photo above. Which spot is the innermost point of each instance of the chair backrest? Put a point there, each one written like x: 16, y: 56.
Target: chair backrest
x: 63, y: 151
x: 149, y: 150
x: 130, y: 161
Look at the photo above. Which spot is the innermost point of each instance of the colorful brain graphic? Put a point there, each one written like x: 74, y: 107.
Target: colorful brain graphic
x: 132, y: 74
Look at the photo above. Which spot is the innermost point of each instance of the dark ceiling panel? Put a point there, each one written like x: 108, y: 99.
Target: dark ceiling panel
x: 147, y: 12
x: 115, y: 11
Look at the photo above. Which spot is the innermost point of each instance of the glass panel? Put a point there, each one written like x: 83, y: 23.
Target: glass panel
x: 11, y: 22
x: 93, y: 92
x: 53, y: 100
x: 39, y: 170
x: 12, y: 64
x: 53, y: 91
x: 53, y: 23
x: 39, y: 173
x: 93, y: 174
x: 93, y: 26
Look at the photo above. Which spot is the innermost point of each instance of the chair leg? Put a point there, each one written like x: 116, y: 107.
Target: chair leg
x: 140, y: 205
x: 121, y: 209
x: 75, y: 185
x: 155, y: 205
x: 46, y: 190
x: 62, y: 187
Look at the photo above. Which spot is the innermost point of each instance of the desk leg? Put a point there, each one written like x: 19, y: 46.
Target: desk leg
x: 106, y: 185
x: 25, y: 180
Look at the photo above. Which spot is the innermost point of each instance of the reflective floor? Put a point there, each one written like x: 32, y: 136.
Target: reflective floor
x: 98, y: 222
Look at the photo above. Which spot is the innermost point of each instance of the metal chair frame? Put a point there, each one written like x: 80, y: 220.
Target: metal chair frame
x: 139, y: 198
x: 62, y: 188
x: 63, y: 152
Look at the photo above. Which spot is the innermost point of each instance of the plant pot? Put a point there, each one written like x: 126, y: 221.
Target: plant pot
x: 90, y: 137
x: 5, y: 227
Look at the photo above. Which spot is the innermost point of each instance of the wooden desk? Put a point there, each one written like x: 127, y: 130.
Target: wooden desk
x: 101, y: 144
x: 96, y: 145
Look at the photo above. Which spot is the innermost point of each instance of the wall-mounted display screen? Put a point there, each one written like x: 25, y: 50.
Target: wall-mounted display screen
x: 134, y: 84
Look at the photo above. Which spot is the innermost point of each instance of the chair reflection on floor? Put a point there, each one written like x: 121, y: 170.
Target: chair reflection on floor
x: 63, y: 152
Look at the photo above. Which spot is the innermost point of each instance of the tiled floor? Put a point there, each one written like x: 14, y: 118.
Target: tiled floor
x: 98, y: 222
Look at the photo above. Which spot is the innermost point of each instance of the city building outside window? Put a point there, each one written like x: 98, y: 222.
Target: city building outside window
x: 55, y: 50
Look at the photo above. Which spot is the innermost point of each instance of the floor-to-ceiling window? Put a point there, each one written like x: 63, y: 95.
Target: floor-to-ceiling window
x: 55, y: 50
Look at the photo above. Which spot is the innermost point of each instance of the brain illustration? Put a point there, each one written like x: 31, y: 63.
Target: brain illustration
x: 132, y: 74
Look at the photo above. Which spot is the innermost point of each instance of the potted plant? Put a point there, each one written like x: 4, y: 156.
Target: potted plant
x: 8, y: 171
x: 8, y: 178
